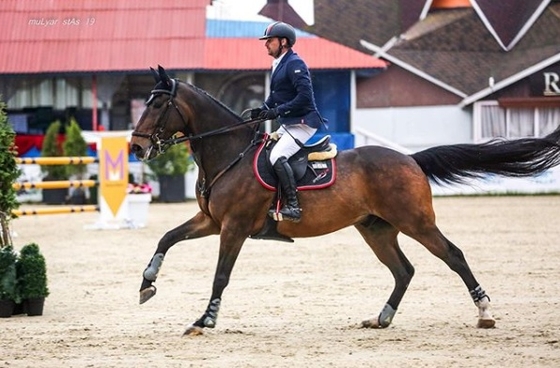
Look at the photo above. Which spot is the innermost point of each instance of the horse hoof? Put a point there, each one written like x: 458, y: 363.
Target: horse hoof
x: 486, y: 323
x: 147, y: 294
x: 193, y: 331
x: 371, y: 323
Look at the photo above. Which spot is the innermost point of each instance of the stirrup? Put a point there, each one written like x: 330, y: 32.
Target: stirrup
x: 279, y: 216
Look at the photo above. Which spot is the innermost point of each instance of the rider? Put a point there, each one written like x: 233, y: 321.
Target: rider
x: 292, y: 101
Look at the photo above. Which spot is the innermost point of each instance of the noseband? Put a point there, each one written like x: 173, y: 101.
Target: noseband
x: 157, y: 143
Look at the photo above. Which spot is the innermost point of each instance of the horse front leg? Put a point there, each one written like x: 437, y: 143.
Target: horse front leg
x: 199, y: 226
x: 230, y: 246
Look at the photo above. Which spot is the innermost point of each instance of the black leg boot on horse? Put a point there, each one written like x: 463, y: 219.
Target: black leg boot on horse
x: 290, y: 211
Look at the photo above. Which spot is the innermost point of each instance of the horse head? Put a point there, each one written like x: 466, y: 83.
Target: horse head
x: 163, y: 118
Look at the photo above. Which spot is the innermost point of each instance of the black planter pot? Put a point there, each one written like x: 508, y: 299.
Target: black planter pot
x: 34, y: 306
x: 18, y: 309
x: 93, y: 191
x: 6, y: 308
x: 78, y: 197
x: 55, y: 196
x: 172, y: 188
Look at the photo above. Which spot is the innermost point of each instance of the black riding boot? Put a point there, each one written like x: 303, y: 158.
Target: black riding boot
x: 291, y: 210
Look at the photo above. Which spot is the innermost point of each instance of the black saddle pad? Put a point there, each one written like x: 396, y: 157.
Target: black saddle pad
x: 309, y: 175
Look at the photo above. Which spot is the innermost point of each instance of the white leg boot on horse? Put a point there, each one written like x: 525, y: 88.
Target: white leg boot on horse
x: 482, y: 301
x: 485, y: 319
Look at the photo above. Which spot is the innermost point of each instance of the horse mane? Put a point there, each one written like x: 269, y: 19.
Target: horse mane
x: 214, y: 99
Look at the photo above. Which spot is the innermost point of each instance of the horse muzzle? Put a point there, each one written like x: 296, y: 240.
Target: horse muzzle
x: 141, y: 153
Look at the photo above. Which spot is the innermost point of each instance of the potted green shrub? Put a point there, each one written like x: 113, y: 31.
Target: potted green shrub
x: 31, y: 272
x: 170, y: 168
x: 9, y: 295
x: 75, y: 145
x: 52, y: 148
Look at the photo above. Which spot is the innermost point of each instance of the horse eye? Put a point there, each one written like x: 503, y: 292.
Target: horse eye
x: 155, y: 100
x: 158, y: 102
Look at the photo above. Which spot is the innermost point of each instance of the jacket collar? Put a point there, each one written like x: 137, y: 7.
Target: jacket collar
x: 282, y: 62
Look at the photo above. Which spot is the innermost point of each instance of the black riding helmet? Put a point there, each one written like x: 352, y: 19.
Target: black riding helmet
x: 280, y: 30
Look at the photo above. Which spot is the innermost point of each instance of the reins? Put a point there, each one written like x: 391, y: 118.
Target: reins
x: 213, y: 132
x: 205, y: 190
x: 160, y: 145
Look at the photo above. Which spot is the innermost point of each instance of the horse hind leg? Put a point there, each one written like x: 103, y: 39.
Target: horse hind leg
x: 448, y: 252
x: 382, y: 239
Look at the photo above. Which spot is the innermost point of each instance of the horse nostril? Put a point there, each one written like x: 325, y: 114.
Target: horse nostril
x: 135, y: 148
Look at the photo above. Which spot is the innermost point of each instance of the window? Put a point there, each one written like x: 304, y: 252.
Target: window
x: 492, y: 120
x: 58, y: 93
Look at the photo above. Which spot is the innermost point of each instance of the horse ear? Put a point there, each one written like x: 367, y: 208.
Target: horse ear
x: 155, y: 74
x: 163, y: 75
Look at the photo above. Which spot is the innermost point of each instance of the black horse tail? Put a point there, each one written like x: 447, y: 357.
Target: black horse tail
x: 515, y: 158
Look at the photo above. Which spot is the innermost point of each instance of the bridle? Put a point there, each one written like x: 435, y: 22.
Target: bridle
x: 162, y: 144
x: 157, y: 143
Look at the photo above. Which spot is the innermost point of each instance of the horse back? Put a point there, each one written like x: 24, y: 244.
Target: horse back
x: 378, y: 178
x: 377, y: 162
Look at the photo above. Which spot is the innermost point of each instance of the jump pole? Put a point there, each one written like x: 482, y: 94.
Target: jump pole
x: 56, y: 184
x: 56, y: 210
x: 77, y: 160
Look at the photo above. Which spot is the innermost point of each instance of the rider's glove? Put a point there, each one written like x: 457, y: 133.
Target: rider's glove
x: 255, y: 112
x: 269, y: 114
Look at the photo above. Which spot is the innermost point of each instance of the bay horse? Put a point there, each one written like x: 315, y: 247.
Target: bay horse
x: 379, y: 191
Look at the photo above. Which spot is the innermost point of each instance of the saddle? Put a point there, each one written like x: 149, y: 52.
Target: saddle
x: 314, y: 167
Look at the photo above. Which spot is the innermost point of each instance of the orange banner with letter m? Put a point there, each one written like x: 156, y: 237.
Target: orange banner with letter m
x: 113, y: 171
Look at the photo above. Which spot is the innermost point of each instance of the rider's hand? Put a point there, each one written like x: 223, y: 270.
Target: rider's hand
x: 255, y: 112
x: 269, y: 114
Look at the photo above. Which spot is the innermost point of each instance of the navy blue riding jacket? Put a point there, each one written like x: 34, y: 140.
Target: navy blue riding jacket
x: 291, y: 93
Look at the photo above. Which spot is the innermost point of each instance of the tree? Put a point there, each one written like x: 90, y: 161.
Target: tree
x: 9, y: 172
x: 51, y: 148
x: 74, y: 145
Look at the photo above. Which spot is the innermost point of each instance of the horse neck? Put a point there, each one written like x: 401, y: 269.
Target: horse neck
x: 213, y: 153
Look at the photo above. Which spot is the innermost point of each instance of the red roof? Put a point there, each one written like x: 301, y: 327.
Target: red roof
x: 79, y: 35
x: 41, y: 36
x: 250, y: 54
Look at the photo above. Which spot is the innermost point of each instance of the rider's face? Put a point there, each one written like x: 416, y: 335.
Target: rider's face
x: 273, y: 46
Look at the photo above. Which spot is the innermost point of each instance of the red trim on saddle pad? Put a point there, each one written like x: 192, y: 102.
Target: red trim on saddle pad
x: 256, y: 166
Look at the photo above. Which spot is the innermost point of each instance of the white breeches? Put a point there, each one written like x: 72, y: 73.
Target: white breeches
x: 287, y: 145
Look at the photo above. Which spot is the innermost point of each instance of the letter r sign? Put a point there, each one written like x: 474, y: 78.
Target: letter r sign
x: 551, y: 84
